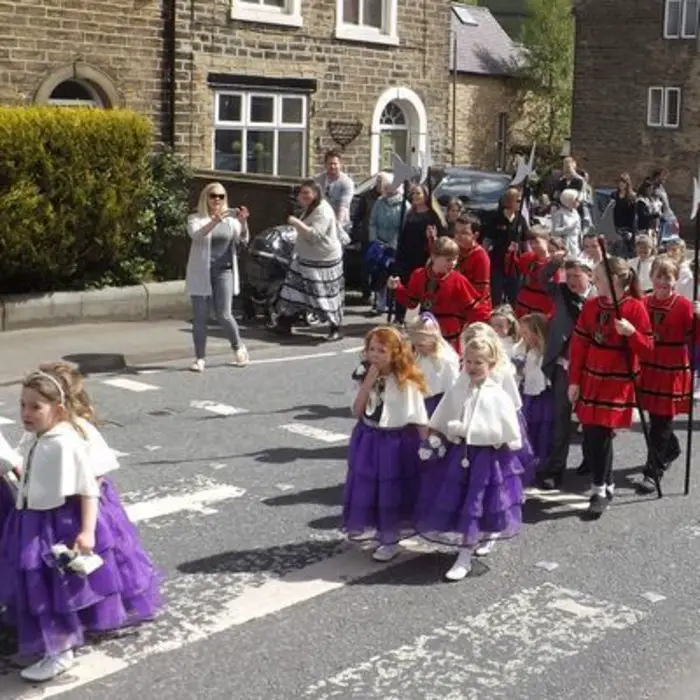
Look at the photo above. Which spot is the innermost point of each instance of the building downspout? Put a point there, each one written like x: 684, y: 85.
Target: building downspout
x: 169, y: 83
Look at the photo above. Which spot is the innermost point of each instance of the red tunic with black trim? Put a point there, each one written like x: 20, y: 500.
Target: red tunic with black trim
x: 598, y: 360
x: 450, y: 298
x: 665, y: 385
x: 475, y: 264
x: 532, y: 297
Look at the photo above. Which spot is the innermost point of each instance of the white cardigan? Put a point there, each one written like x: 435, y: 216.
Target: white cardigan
x: 198, y: 276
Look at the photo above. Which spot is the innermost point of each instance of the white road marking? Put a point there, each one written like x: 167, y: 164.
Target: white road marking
x: 653, y: 597
x: 538, y: 627
x: 565, y: 501
x: 285, y: 487
x: 220, y: 602
x: 129, y: 384
x: 220, y: 409
x: 349, y: 351
x: 291, y: 358
x: 188, y: 500
x: 119, y: 454
x: 314, y: 433
x: 6, y: 421
x: 547, y: 565
x: 148, y: 371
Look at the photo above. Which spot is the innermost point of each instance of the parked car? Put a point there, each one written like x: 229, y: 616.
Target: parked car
x: 480, y: 191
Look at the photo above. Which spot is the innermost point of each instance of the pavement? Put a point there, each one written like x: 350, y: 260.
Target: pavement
x: 235, y: 480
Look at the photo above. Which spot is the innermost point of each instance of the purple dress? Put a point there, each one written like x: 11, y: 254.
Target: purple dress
x: 383, y: 479
x: 431, y: 403
x: 461, y: 506
x: 52, y: 610
x: 539, y: 418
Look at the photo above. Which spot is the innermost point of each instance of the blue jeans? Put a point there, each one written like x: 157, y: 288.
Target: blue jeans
x: 222, y: 298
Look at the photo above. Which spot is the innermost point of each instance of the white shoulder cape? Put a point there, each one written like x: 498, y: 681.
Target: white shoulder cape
x: 441, y: 370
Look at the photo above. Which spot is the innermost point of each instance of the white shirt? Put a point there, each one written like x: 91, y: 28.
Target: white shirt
x: 481, y: 415
x: 198, y: 274
x: 643, y: 270
x: 440, y: 370
x: 512, y: 349
x: 506, y: 375
x: 534, y: 381
x: 57, y: 465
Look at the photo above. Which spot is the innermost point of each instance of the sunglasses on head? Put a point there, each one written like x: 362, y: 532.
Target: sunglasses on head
x: 214, y: 195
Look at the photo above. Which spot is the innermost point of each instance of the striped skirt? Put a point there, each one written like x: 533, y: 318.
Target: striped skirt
x: 314, y: 286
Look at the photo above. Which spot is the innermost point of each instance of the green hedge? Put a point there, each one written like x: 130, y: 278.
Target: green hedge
x: 74, y: 187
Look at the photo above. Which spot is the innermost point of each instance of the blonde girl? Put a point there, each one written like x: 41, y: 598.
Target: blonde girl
x: 504, y: 321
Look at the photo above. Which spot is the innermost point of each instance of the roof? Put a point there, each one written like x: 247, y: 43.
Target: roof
x: 483, y: 46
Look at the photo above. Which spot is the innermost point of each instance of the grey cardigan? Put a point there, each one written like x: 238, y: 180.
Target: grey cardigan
x: 567, y: 307
x: 317, y: 235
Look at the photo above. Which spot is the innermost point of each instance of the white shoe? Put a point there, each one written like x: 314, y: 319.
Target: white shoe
x: 240, y: 356
x: 49, y: 667
x: 486, y: 547
x: 461, y: 567
x: 385, y: 552
x: 197, y: 366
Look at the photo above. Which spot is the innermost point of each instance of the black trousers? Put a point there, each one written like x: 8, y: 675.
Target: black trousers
x: 561, y: 429
x: 598, y: 453
x: 663, y: 441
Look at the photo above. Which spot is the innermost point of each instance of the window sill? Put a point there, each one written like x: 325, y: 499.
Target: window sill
x: 366, y: 35
x: 664, y: 127
x: 281, y: 19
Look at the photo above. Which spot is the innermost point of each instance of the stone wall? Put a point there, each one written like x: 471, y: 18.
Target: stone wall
x: 620, y: 54
x: 350, y: 75
x: 114, y: 46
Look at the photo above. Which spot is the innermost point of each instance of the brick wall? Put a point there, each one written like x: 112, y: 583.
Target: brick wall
x: 351, y: 76
x: 480, y: 100
x: 122, y: 40
x: 619, y: 54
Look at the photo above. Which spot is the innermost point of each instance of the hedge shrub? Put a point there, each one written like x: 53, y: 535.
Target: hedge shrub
x: 73, y: 191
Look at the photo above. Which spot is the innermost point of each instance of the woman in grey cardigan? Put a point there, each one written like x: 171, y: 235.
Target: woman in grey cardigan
x: 212, y: 269
x: 314, y: 281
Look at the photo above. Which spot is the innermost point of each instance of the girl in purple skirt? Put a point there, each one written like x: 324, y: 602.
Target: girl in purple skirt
x: 474, y: 489
x: 382, y: 481
x: 51, y: 607
x: 538, y: 405
x: 436, y: 358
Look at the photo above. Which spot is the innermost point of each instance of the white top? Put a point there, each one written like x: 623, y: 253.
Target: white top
x: 566, y: 224
x: 685, y: 281
x: 534, y: 381
x: 56, y: 466
x: 480, y: 415
x: 102, y: 458
x: 198, y: 274
x: 506, y: 375
x: 9, y: 457
x: 512, y: 349
x: 440, y: 370
x: 395, y: 407
x: 643, y: 270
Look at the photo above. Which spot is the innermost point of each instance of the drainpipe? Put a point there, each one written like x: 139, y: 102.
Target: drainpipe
x: 169, y: 84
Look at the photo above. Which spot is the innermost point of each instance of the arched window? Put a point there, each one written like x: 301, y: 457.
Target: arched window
x: 393, y: 134
x: 75, y: 93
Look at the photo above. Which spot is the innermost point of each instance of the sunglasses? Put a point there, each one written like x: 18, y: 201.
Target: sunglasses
x: 217, y: 196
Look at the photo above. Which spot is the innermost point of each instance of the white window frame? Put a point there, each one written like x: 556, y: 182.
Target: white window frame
x: 664, y: 92
x: 388, y: 35
x: 683, y: 6
x: 254, y: 11
x: 245, y: 125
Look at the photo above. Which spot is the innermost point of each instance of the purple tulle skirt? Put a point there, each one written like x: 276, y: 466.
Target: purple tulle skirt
x: 539, y: 417
x: 52, y: 610
x: 431, y: 403
x: 382, y: 483
x: 461, y: 506
x: 526, y: 454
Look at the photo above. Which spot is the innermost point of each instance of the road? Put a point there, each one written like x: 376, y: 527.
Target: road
x: 235, y: 478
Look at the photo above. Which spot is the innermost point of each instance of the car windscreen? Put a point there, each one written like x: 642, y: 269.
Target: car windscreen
x: 472, y: 188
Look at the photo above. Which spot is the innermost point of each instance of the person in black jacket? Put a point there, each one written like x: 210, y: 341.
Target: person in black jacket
x: 360, y: 227
x: 568, y: 298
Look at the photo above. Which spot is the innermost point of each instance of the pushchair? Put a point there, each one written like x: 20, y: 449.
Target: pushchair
x: 267, y: 260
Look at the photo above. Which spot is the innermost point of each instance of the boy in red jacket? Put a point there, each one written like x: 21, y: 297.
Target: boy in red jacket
x: 474, y: 263
x: 441, y: 290
x: 532, y: 297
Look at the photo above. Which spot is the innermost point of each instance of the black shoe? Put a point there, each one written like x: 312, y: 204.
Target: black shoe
x: 583, y: 469
x: 597, y: 506
x: 333, y: 334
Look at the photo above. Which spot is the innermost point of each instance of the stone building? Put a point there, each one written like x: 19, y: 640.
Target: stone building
x: 105, y: 53
x: 486, y: 93
x: 264, y: 87
x: 636, y: 102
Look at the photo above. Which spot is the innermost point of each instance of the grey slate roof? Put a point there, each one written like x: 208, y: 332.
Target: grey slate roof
x: 483, y: 47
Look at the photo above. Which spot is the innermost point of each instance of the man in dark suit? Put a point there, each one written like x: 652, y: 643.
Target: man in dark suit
x: 569, y: 297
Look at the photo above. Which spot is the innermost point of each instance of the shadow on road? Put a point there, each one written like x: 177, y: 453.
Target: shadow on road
x: 326, y: 496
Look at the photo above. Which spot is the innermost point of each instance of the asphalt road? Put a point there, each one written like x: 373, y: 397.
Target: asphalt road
x: 235, y: 478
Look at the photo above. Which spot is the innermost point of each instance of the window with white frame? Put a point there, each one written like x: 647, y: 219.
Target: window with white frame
x: 260, y: 133
x: 664, y: 107
x: 681, y: 19
x: 371, y: 21
x: 282, y: 12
